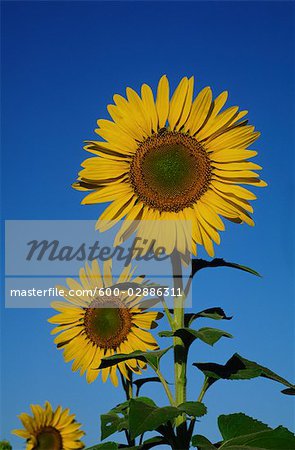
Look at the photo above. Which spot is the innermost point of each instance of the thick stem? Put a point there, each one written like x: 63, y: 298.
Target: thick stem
x: 180, y: 353
x: 128, y: 388
x: 166, y: 387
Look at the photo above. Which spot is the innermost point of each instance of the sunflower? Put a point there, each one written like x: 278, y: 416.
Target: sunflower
x: 50, y: 430
x: 95, y: 323
x: 180, y: 160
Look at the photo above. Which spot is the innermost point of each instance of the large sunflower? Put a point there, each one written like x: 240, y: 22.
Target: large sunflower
x: 178, y: 159
x: 50, y: 430
x: 95, y: 325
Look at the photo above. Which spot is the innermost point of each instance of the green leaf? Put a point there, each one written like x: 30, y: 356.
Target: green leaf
x: 202, y: 443
x: 198, y: 264
x: 111, y: 423
x: 239, y: 368
x: 194, y: 409
x: 233, y: 425
x: 215, y: 313
x: 188, y: 335
x: 147, y: 445
x: 104, y: 446
x: 121, y: 408
x: 147, y: 400
x: 144, y: 415
x: 278, y: 439
x: 5, y: 445
x: 241, y: 432
x: 166, y: 333
x: 151, y: 358
x: 212, y: 335
x: 289, y: 391
x: 153, y: 442
x: 141, y: 381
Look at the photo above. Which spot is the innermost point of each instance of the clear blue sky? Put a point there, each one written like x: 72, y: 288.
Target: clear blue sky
x: 62, y: 62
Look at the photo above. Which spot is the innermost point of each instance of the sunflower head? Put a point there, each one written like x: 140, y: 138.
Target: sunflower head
x: 178, y: 158
x: 96, y: 322
x: 47, y: 429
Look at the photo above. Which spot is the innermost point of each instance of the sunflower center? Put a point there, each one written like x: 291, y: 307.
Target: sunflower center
x: 49, y: 438
x: 170, y: 171
x: 107, y: 322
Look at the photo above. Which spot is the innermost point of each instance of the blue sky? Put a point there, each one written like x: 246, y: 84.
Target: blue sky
x: 62, y: 62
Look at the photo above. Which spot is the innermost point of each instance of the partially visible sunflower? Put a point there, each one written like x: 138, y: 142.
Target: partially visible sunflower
x: 50, y: 430
x: 177, y: 160
x: 93, y: 327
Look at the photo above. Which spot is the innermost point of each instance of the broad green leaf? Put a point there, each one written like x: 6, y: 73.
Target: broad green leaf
x: 233, y: 425
x: 105, y: 446
x: 146, y: 416
x: 151, y: 358
x: 239, y: 368
x: 198, y: 264
x: 111, y: 423
x: 121, y: 408
x: 241, y: 432
x: 202, y: 443
x: 214, y: 313
x: 143, y: 417
x: 147, y: 400
x: 212, y: 335
x: 188, y: 335
x: 195, y: 409
x: 278, y: 439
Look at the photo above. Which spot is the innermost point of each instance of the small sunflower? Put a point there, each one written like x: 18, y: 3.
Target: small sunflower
x: 50, y: 430
x: 177, y: 160
x: 94, y: 326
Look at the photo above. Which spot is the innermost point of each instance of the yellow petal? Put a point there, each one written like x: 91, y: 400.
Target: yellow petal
x: 209, y: 215
x: 243, y: 165
x: 107, y: 273
x: 107, y: 193
x: 217, y: 123
x: 199, y: 111
x: 115, y: 212
x: 149, y: 104
x: 162, y: 102
x: 231, y: 155
x: 238, y: 137
x: 142, y: 117
x: 187, y: 104
x: 177, y: 102
x: 235, y: 173
x: 235, y: 190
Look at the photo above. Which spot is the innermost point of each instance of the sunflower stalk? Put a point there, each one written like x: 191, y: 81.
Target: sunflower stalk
x: 180, y: 352
x: 128, y: 389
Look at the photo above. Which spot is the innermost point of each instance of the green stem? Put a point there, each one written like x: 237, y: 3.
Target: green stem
x: 167, y: 312
x: 200, y: 398
x: 180, y: 353
x: 204, y: 389
x: 128, y: 388
x: 166, y: 387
